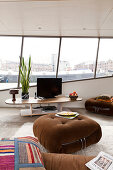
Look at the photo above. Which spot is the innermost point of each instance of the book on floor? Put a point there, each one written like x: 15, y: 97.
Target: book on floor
x: 103, y: 161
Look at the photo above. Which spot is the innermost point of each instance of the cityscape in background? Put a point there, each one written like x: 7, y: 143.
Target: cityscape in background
x: 9, y: 70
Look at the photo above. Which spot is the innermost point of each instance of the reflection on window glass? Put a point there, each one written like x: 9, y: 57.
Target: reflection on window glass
x: 10, y: 48
x: 44, y: 54
x: 77, y: 60
x: 105, y: 58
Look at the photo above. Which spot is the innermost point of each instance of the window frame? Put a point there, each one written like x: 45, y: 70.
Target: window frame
x: 59, y: 50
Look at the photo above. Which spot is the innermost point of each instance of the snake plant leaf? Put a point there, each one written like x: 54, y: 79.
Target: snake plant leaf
x: 25, y: 75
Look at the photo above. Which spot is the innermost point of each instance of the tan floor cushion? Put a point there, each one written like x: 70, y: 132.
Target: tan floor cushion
x: 61, y: 135
x: 54, y: 161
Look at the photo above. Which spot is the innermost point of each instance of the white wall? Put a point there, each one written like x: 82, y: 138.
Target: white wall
x: 85, y: 89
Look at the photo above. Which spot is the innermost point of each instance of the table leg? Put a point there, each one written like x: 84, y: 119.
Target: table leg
x: 31, y: 109
x: 59, y: 107
x: 27, y: 112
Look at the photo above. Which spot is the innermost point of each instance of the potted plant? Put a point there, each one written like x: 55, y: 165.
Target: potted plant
x: 25, y: 78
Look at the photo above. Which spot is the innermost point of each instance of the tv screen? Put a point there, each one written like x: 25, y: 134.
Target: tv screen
x: 49, y: 87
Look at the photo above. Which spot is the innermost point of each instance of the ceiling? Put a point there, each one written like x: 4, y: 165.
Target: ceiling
x: 56, y: 18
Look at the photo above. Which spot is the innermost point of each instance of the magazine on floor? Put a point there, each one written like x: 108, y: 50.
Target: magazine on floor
x: 68, y: 115
x: 103, y: 161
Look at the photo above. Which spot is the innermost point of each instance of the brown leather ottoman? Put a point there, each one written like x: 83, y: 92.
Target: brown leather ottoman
x: 61, y: 135
x: 101, y: 107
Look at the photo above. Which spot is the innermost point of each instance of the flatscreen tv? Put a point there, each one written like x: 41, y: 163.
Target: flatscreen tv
x: 49, y: 87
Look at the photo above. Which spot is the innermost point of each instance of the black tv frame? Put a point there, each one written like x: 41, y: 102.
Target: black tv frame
x: 48, y: 92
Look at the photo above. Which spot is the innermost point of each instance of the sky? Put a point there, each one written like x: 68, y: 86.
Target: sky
x: 10, y: 48
x: 41, y: 49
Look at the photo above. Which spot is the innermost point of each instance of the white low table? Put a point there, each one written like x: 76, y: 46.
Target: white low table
x: 30, y: 112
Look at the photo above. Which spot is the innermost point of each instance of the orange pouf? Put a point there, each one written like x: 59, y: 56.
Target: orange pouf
x: 99, y: 106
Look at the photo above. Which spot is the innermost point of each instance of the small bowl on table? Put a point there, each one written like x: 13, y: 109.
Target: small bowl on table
x: 73, y: 97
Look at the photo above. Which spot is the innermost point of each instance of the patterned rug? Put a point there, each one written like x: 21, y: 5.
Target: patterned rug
x: 20, y: 153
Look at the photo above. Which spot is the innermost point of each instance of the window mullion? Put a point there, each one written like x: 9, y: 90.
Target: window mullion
x: 97, y: 57
x: 21, y: 53
x: 58, y: 56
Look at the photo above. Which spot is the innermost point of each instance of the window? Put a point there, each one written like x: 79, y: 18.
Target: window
x: 44, y: 54
x: 77, y: 58
x: 10, y: 48
x: 105, y: 58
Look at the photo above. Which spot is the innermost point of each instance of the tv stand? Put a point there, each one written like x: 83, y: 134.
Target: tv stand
x: 30, y: 112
